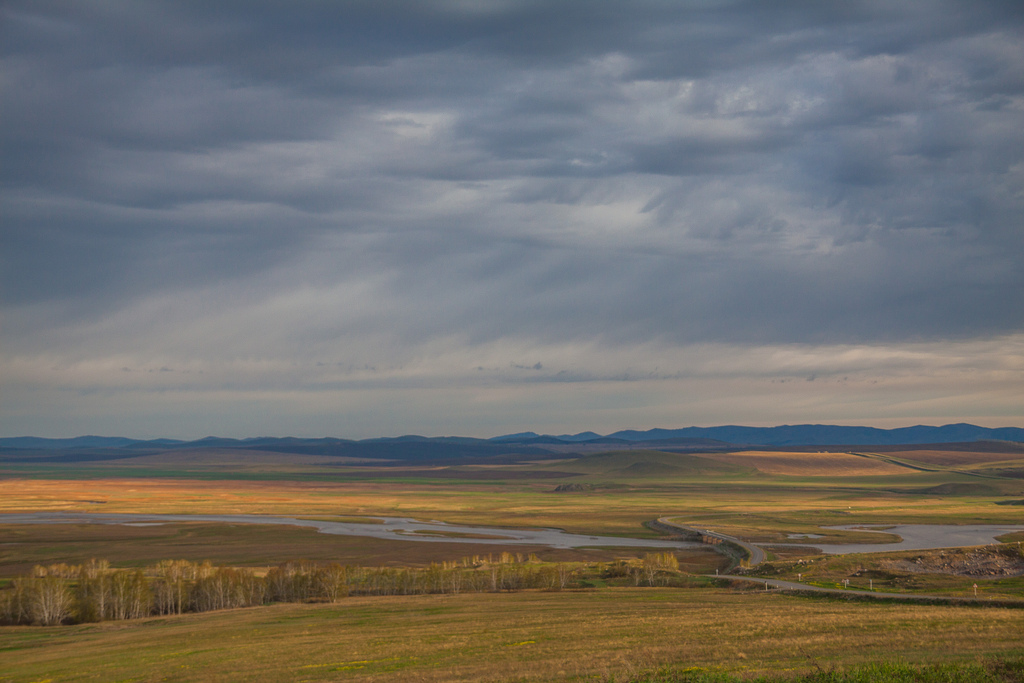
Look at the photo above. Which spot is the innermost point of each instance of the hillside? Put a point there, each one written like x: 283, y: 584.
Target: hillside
x: 649, y: 463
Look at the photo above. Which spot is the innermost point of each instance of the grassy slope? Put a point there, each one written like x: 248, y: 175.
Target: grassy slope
x: 643, y: 463
x: 522, y: 636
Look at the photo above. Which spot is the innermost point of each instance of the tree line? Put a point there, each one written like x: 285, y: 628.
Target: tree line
x: 95, y: 591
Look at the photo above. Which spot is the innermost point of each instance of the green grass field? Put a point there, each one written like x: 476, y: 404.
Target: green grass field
x: 575, y: 635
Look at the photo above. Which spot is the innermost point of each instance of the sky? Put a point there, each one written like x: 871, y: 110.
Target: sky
x: 374, y: 218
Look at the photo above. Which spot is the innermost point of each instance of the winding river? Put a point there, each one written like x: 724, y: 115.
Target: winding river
x: 913, y: 536
x: 920, y: 537
x: 392, y: 528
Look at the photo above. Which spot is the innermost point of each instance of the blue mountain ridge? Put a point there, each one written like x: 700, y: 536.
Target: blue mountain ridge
x: 807, y: 435
x: 829, y: 435
x: 783, y: 435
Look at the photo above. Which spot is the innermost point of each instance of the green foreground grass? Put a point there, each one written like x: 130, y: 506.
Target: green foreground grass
x: 997, y: 670
x: 607, y: 634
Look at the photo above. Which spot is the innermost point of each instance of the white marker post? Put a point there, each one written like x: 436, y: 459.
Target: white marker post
x: 975, y: 590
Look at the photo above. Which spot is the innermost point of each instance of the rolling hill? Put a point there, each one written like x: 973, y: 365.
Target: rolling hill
x: 648, y: 463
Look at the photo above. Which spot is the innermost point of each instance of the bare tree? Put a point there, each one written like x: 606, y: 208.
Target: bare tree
x: 49, y: 600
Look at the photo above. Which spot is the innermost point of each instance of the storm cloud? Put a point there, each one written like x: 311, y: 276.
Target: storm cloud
x: 366, y: 218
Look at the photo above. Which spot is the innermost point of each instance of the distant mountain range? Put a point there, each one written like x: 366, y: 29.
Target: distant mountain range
x: 404, y: 449
x: 803, y: 435
x: 420, y: 447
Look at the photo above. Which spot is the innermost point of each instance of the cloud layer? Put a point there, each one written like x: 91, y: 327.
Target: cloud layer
x: 441, y: 216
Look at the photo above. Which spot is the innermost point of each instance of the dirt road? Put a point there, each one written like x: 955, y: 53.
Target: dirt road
x: 878, y: 595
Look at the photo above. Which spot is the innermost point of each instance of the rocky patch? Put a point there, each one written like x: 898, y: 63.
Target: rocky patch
x: 570, y: 488
x: 981, y: 562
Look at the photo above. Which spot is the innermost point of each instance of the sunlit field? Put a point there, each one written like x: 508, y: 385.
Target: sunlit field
x: 597, y: 633
x: 621, y: 492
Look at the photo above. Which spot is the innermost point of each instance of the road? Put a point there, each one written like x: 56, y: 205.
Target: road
x: 755, y: 555
x: 794, y: 586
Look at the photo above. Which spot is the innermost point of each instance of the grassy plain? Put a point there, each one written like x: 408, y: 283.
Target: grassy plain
x: 760, y: 496
x: 574, y: 635
x: 743, y: 498
x: 627, y: 489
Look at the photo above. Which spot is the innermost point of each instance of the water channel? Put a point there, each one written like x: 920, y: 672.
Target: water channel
x: 393, y: 528
x: 913, y: 536
x: 919, y: 537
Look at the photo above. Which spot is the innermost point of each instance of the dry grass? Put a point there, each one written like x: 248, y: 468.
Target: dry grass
x: 500, y: 637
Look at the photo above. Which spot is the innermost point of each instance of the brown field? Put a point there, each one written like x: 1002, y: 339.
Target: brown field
x: 526, y: 636
x: 798, y: 464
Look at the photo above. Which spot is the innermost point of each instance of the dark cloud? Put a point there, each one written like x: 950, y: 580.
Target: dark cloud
x: 559, y: 173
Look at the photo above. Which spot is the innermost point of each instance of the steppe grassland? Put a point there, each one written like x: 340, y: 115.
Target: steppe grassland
x: 519, y: 636
x: 759, y: 506
x: 742, y: 501
x: 525, y: 636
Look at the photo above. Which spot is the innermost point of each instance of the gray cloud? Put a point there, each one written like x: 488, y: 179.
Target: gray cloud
x: 371, y: 183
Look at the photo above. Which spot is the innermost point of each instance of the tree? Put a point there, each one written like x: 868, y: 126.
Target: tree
x: 49, y: 600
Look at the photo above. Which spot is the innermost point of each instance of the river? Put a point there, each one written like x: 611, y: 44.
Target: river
x: 919, y: 537
x: 914, y: 536
x: 392, y: 528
